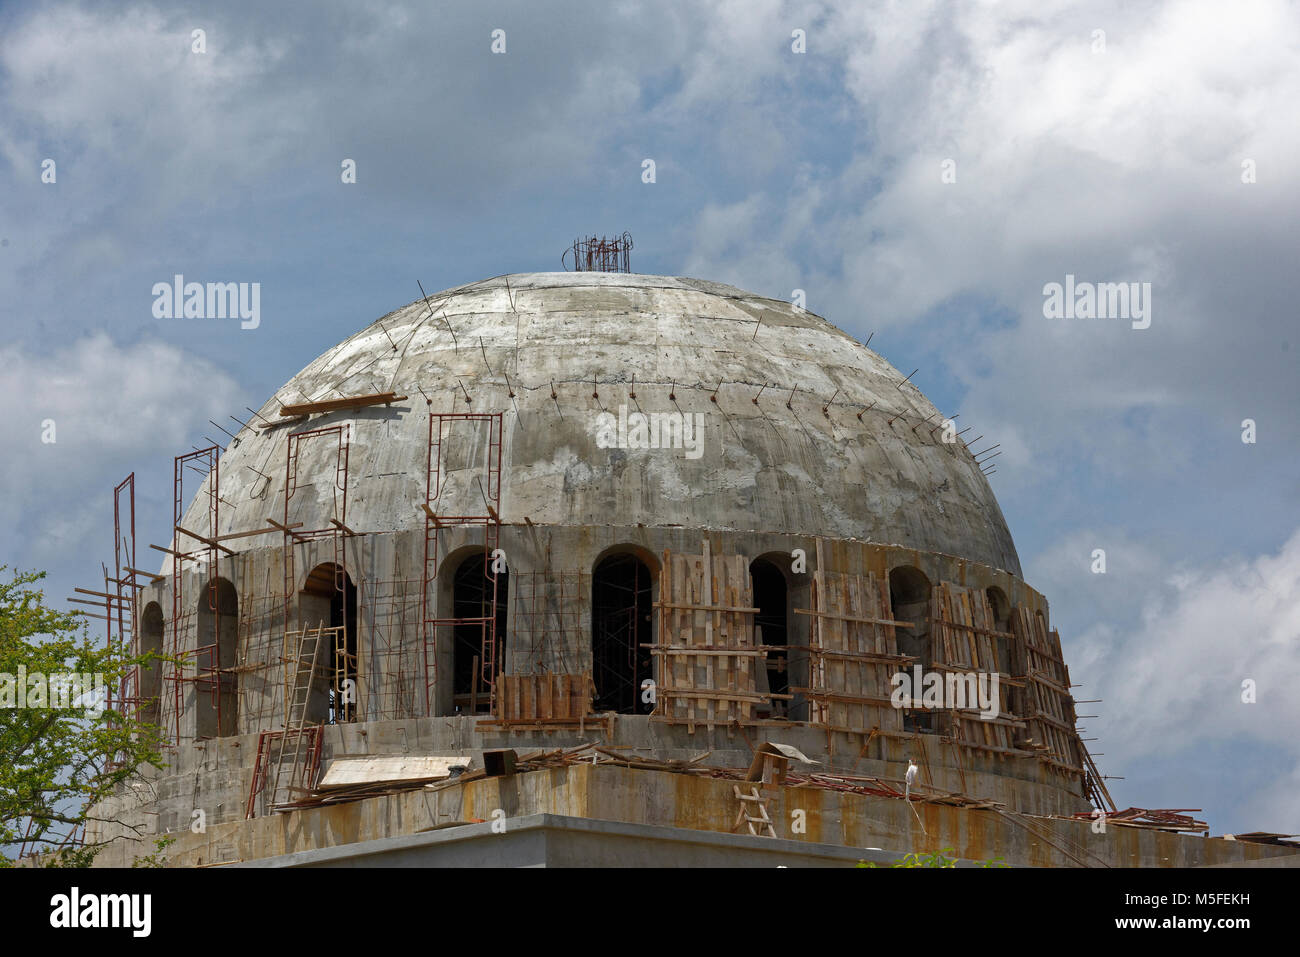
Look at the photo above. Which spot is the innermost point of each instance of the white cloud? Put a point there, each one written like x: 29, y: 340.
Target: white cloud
x: 1168, y: 656
x: 1115, y: 166
x: 115, y: 409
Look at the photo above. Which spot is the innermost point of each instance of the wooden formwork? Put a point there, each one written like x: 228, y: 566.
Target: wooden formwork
x: 853, y: 652
x: 1048, y: 706
x: 708, y: 658
x: 964, y: 642
x: 543, y: 698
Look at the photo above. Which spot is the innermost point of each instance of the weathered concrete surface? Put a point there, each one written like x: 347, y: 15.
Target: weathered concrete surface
x: 552, y: 840
x: 762, y: 466
x: 836, y: 450
x: 613, y: 793
x: 390, y: 609
x: 214, y: 776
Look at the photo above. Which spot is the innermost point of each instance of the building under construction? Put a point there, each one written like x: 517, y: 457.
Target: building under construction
x: 594, y: 568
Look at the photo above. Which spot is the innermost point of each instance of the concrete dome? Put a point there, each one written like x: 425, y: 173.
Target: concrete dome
x: 763, y: 466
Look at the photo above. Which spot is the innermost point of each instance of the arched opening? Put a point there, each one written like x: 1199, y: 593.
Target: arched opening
x: 909, y: 597
x: 149, y: 675
x: 771, y: 596
x: 621, y: 623
x: 216, y: 682
x: 329, y: 598
x: 475, y: 590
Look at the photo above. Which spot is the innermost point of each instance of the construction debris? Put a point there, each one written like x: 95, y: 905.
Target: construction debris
x: 349, y: 772
x: 1265, y: 837
x: 1156, y: 819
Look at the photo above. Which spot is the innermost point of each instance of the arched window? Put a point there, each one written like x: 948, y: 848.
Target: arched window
x: 329, y: 598
x: 909, y: 597
x: 620, y: 625
x: 149, y: 676
x: 771, y: 627
x: 216, y: 682
x: 475, y: 591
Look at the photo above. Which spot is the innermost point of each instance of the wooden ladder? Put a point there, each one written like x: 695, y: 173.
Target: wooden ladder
x: 295, y: 718
x: 757, y: 802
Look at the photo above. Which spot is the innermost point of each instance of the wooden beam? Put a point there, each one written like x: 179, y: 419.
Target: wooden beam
x: 152, y: 576
x: 256, y: 531
x: 721, y: 696
x: 742, y: 652
x: 204, y: 539
x: 89, y: 615
x: 287, y: 529
x: 428, y: 511
x: 174, y: 554
x: 347, y: 402
x: 690, y: 607
x: 101, y: 594
x: 279, y: 422
x: 125, y: 581
x: 337, y: 524
x: 864, y: 621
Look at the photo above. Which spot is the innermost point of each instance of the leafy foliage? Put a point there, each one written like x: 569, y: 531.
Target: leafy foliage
x: 56, y: 763
x: 158, y: 858
x: 937, y: 859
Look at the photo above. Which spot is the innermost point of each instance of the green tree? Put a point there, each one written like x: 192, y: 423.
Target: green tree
x: 936, y: 859
x: 58, y: 761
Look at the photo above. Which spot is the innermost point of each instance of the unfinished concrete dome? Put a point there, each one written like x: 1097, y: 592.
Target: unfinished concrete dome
x: 633, y: 561
x: 799, y: 460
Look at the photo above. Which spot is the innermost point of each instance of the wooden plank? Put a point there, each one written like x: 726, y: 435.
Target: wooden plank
x: 257, y: 531
x: 102, y: 594
x: 735, y: 650
x: 182, y: 555
x: 153, y: 577
x: 331, y: 405
x: 864, y: 621
x: 377, y: 769
x: 204, y: 539
x: 727, y: 608
x: 714, y: 693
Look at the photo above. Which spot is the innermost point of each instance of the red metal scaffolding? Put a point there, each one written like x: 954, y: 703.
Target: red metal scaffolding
x: 336, y: 528
x: 205, y: 463
x: 599, y: 254
x: 124, y: 572
x: 434, y: 521
x: 117, y: 601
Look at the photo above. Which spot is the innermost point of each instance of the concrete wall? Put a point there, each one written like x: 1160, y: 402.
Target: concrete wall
x: 663, y: 799
x: 838, y: 448
x: 800, y: 460
x: 388, y: 570
x: 215, y: 775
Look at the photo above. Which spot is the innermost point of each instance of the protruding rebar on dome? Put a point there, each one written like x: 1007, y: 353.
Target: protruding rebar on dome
x: 599, y: 254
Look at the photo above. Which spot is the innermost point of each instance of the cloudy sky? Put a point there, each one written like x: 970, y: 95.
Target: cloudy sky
x: 921, y: 170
